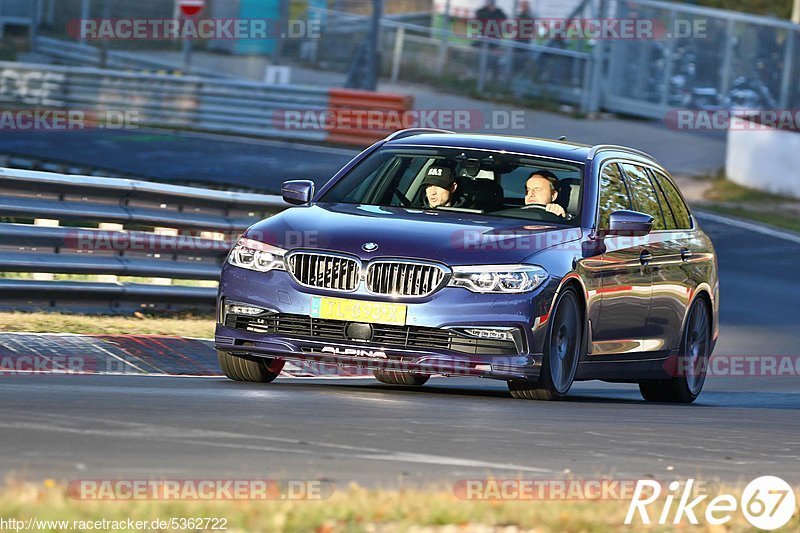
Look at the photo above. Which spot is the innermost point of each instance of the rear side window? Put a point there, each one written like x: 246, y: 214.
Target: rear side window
x: 613, y: 194
x: 644, y: 193
x: 669, y: 217
x: 675, y: 203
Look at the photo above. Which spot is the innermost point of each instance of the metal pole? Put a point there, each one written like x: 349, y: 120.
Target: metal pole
x: 104, y: 48
x: 187, y: 51
x: 51, y: 12
x: 727, y: 59
x: 483, y: 63
x: 796, y: 11
x: 85, y: 14
x: 442, y: 59
x: 283, y: 14
x: 786, y: 75
x: 397, y: 57
x: 373, y: 52
x: 34, y: 27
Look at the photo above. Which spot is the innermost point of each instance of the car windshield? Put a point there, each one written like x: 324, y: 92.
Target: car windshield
x: 475, y: 181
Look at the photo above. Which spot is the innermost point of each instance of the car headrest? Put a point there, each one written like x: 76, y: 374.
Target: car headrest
x: 569, y: 191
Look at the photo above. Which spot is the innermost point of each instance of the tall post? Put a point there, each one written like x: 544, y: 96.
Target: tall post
x: 34, y: 27
x: 104, y: 48
x: 397, y: 57
x: 786, y: 75
x: 283, y: 15
x: 86, y: 12
x: 373, y: 52
x: 186, y: 51
x: 442, y: 58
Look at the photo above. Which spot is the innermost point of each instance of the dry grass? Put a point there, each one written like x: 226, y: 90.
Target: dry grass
x: 352, y: 509
x: 183, y: 326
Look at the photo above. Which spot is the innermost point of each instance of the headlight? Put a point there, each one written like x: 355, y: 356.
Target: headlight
x: 498, y: 278
x: 254, y: 255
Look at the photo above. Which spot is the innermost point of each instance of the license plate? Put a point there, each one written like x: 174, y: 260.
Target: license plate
x: 358, y: 311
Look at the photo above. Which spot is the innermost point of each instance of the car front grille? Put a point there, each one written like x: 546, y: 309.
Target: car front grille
x: 325, y: 271
x: 383, y: 276
x: 404, y: 278
x: 390, y: 336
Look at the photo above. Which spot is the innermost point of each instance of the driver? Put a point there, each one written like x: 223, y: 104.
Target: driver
x: 541, y: 190
x: 440, y: 186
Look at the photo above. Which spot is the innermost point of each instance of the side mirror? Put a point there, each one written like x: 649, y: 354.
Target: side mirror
x: 630, y: 223
x: 297, y: 192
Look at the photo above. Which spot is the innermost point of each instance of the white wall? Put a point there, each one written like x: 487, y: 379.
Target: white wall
x: 764, y: 159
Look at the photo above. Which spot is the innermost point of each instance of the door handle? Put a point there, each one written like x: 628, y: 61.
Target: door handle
x: 686, y: 254
x: 645, y: 257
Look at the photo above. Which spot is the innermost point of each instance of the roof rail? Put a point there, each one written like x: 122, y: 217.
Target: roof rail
x: 402, y: 134
x: 607, y: 147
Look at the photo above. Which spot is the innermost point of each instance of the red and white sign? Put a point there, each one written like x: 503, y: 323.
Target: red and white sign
x: 191, y: 8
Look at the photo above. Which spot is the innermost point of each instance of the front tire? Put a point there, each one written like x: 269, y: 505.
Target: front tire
x: 252, y: 369
x: 563, y: 351
x: 692, y: 362
x: 392, y: 377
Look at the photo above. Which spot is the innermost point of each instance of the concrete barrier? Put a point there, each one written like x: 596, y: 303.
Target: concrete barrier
x: 764, y: 158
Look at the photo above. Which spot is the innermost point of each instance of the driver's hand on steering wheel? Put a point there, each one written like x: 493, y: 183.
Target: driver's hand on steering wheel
x: 550, y: 208
x: 556, y: 210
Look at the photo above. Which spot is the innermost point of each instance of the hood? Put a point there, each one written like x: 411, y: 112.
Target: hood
x: 451, y: 237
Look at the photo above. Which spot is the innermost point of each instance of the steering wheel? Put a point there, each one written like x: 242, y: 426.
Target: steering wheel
x: 547, y: 216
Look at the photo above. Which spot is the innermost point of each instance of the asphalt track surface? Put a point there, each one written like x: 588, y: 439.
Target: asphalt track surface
x: 181, y: 157
x: 73, y: 427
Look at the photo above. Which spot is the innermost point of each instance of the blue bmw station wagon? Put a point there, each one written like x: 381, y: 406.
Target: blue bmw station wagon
x: 532, y: 261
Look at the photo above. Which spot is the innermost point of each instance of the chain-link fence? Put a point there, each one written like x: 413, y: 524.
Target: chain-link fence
x: 702, y: 59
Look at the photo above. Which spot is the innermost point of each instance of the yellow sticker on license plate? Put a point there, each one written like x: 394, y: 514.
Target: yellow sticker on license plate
x: 358, y: 311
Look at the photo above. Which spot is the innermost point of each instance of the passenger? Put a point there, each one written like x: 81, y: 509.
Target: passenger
x: 541, y: 190
x: 441, y: 188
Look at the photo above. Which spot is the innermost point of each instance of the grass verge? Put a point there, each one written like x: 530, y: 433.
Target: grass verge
x: 356, y: 509
x: 727, y: 198
x: 139, y: 324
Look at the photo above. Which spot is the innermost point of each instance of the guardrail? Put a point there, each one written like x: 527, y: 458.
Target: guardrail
x: 293, y: 112
x: 115, y: 230
x: 73, y: 53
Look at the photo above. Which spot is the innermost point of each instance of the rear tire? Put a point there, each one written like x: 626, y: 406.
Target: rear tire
x: 563, y: 351
x: 393, y: 377
x: 252, y: 369
x: 692, y: 362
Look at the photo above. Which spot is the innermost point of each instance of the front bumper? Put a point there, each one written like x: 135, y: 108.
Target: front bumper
x: 448, y: 310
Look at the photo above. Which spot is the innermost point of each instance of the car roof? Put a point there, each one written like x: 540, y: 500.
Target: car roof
x: 559, y: 149
x: 509, y: 143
